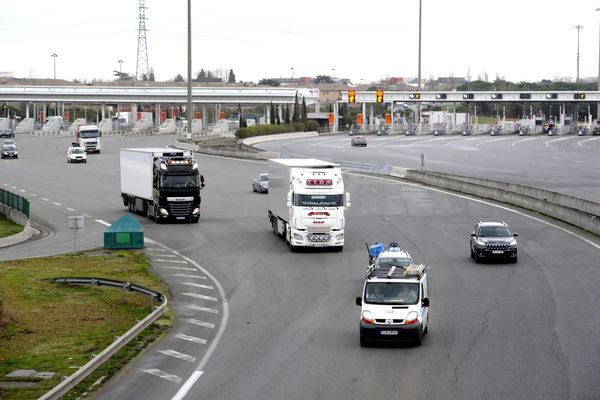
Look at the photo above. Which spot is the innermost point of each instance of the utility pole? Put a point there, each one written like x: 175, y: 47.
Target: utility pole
x: 120, y: 70
x: 190, y: 115
x: 579, y: 28
x: 141, y: 67
x: 54, y: 55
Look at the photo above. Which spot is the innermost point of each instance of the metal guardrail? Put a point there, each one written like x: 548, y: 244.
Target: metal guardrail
x: 11, y: 200
x: 65, y: 386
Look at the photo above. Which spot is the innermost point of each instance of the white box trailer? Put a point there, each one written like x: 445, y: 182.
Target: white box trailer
x: 307, y: 202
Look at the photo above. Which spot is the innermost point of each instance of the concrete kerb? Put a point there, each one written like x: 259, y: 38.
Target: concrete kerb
x: 17, y: 218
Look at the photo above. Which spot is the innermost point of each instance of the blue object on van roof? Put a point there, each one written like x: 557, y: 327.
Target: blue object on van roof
x: 376, y: 249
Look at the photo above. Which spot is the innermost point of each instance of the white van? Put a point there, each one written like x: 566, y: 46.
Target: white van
x: 394, y: 305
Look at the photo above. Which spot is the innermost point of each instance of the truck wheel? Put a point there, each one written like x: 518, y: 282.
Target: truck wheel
x: 274, y: 225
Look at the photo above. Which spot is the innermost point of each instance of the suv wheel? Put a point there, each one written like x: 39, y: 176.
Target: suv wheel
x: 477, y: 258
x: 472, y: 252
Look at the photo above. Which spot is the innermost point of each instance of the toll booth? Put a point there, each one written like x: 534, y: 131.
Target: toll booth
x: 124, y: 233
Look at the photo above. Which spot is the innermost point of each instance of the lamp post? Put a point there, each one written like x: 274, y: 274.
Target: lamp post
x: 54, y: 55
x: 598, y: 104
x: 579, y: 28
x: 292, y: 72
x: 190, y: 114
x: 120, y: 70
x: 333, y: 69
x: 419, y: 72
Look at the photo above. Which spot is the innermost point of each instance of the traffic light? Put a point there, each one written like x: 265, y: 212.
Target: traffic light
x: 524, y: 95
x: 468, y: 96
x: 380, y: 96
x: 440, y: 96
x: 497, y: 96
x: 551, y: 96
x: 351, y: 96
x: 415, y: 96
x: 579, y: 96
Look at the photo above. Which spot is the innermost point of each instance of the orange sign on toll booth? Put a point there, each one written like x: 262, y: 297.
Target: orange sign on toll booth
x: 359, y: 119
x: 388, y: 119
x: 331, y: 119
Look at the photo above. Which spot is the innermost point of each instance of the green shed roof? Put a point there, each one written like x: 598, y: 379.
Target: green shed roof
x: 125, y: 224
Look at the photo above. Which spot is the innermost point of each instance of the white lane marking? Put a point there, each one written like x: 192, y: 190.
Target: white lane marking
x: 205, y: 309
x: 550, y: 142
x: 596, y: 246
x: 189, y: 276
x: 580, y: 143
x: 45, y: 199
x: 169, y: 261
x: 492, y: 140
x: 201, y: 323
x: 23, y: 191
x: 6, y: 184
x: 187, y: 385
x: 163, y: 255
x: 70, y: 209
x: 179, y: 268
x: 199, y: 296
x: 87, y: 216
x: 102, y: 222
x: 56, y: 204
x: 154, y: 249
x: 33, y: 194
x: 13, y: 187
x: 163, y: 374
x: 191, y: 338
x: 178, y: 355
x: 521, y: 141
x: 224, y: 305
x: 437, y: 139
x: 198, y: 285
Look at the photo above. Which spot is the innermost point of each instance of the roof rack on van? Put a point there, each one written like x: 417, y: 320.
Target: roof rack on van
x: 394, y: 272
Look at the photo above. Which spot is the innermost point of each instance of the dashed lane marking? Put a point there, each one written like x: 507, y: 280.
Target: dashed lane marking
x: 191, y: 338
x: 163, y: 375
x: 205, y: 309
x: 201, y: 323
x: 102, y: 222
x: 56, y: 204
x: 189, y: 276
x: 199, y: 296
x: 70, y: 209
x: 178, y: 355
x: 169, y: 261
x: 178, y: 268
x: 199, y: 285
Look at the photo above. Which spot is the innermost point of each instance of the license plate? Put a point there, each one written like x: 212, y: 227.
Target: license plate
x: 179, y: 217
x: 388, y: 333
x: 497, y: 252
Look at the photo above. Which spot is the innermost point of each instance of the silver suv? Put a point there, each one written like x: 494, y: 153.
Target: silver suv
x: 493, y: 240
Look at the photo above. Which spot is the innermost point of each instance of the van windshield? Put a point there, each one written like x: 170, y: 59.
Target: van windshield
x: 391, y: 293
x: 318, y: 200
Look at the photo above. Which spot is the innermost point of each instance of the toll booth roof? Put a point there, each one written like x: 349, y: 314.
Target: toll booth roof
x: 125, y: 224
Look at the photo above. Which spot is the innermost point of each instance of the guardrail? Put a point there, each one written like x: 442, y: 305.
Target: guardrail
x: 14, y: 201
x: 65, y: 386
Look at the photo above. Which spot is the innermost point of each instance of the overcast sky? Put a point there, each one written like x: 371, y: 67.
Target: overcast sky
x: 519, y: 40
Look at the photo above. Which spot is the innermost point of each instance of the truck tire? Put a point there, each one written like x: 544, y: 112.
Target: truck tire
x: 274, y: 225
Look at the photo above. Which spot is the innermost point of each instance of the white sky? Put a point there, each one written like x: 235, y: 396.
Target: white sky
x: 520, y: 40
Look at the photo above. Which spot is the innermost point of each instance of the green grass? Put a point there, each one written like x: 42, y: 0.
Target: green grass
x: 8, y: 228
x: 50, y: 327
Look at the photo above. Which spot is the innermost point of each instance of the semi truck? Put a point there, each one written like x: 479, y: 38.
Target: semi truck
x: 161, y: 183
x: 307, y: 202
x: 88, y: 137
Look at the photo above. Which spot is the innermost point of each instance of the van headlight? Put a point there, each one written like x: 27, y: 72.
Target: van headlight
x: 411, y: 318
x: 367, y: 317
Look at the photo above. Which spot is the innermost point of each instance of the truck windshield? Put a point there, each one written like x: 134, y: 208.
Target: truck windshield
x: 179, y: 181
x: 319, y: 200
x: 392, y: 293
x: 89, y: 134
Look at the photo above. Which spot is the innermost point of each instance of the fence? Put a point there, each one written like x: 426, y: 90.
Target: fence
x: 15, y: 202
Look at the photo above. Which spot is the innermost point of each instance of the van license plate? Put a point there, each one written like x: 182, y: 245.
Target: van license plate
x: 388, y: 332
x: 497, y: 252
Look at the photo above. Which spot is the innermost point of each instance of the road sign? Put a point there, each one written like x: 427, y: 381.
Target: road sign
x: 75, y: 223
x: 331, y: 118
x: 359, y: 119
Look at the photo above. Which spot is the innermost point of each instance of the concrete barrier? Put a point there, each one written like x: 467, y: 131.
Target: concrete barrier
x: 19, y: 219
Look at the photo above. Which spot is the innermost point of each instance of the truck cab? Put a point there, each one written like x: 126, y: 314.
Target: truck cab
x: 394, y: 305
x: 88, y: 137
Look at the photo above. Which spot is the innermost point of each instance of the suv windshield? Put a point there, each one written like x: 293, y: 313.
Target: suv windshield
x: 494, y: 231
x: 392, y: 292
x: 318, y: 200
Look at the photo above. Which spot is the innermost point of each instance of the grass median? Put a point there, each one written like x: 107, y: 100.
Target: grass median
x: 57, y: 328
x: 8, y: 228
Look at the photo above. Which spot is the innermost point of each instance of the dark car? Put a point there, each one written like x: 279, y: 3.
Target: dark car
x: 359, y: 141
x: 7, y: 133
x: 596, y: 129
x: 493, y: 240
x: 9, y: 151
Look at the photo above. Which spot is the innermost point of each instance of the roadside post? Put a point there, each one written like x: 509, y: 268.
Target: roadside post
x: 74, y: 224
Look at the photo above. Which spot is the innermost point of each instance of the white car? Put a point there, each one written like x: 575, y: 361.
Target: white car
x: 76, y: 154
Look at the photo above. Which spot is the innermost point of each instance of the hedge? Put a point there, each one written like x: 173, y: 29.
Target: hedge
x: 261, y: 130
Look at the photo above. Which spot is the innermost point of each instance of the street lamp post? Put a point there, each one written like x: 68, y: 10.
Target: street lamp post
x: 292, y: 72
x: 54, y: 55
x: 333, y: 69
x: 419, y: 76
x: 579, y: 28
x: 598, y: 104
x: 190, y: 115
x: 120, y: 69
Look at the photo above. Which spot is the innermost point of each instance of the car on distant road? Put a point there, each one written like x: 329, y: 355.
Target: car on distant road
x: 493, y: 240
x: 596, y: 129
x: 76, y: 154
x: 261, y: 183
x: 7, y: 133
x: 359, y: 141
x: 9, y: 151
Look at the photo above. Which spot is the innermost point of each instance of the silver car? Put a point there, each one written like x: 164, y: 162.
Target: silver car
x: 261, y: 183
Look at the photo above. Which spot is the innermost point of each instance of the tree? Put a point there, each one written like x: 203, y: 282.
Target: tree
x: 151, y: 75
x: 277, y: 118
x: 178, y: 78
x: 269, y: 82
x: 231, y: 78
x: 296, y: 115
x: 323, y: 79
x: 304, y: 112
x: 144, y: 77
x: 287, y: 114
x: 272, y: 115
x: 201, y: 76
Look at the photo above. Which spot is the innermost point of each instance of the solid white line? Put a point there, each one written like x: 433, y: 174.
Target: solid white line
x: 169, y: 261
x: 187, y: 385
x: 178, y: 355
x: 190, y: 338
x: 56, y: 204
x: 201, y: 323
x: 205, y: 309
x: 163, y: 374
x: 163, y: 255
x: 45, y: 199
x: 155, y: 249
x: 102, y: 222
x: 179, y: 268
x: 189, y: 276
x: 198, y: 285
x: 522, y: 140
x: 549, y: 142
x: 580, y: 143
x: 199, y: 296
x: 492, y: 140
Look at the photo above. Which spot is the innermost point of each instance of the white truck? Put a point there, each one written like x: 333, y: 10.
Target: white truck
x: 88, y: 137
x: 163, y: 184
x: 307, y: 202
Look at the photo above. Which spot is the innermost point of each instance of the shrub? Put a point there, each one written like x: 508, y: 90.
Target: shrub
x: 261, y: 130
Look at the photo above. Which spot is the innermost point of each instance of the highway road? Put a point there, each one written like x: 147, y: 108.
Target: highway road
x: 566, y: 164
x: 255, y: 321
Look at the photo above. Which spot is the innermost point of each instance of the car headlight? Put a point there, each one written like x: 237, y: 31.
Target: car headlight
x: 367, y: 317
x: 479, y: 243
x: 512, y: 243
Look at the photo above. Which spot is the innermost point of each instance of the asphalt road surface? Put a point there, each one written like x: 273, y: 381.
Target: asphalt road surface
x: 255, y: 321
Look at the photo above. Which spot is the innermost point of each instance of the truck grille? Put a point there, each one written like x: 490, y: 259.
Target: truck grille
x: 181, y: 208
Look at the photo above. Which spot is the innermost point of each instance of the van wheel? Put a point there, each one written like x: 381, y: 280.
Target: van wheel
x: 419, y: 338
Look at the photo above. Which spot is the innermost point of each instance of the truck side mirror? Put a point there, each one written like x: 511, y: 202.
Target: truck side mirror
x: 289, y: 199
x: 358, y: 301
x: 348, y: 204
